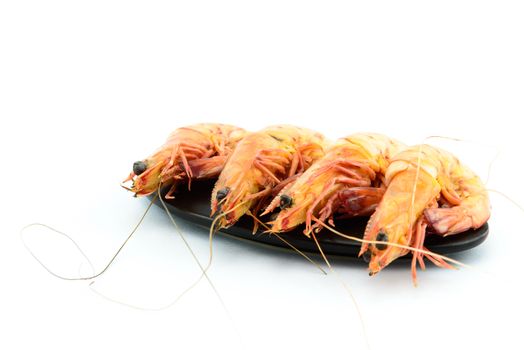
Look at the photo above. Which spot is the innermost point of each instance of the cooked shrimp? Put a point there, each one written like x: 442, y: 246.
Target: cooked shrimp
x: 260, y: 162
x: 192, y: 152
x: 348, y: 179
x: 426, y: 188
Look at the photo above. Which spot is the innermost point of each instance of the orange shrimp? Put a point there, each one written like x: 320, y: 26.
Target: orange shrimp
x: 262, y: 161
x: 348, y: 179
x: 426, y: 188
x: 193, y: 152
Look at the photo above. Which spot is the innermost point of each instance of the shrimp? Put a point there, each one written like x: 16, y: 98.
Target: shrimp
x: 193, y: 152
x: 427, y: 188
x: 261, y: 162
x: 348, y: 179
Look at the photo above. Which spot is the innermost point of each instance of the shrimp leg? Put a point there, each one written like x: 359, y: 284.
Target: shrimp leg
x: 351, y: 202
x: 470, y: 212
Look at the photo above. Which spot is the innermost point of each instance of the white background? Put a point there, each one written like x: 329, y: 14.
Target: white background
x: 87, y: 88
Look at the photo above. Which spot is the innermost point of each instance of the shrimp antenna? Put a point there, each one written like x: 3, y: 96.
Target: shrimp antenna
x: 106, y: 267
x: 411, y: 207
x: 493, y: 160
x: 126, y: 187
x: 92, y: 267
x: 413, y: 194
x: 392, y: 244
x: 186, y: 243
x: 213, y: 230
x: 515, y: 203
x: 456, y: 139
x: 204, y: 271
x: 490, y: 166
x: 286, y: 242
x: 346, y: 287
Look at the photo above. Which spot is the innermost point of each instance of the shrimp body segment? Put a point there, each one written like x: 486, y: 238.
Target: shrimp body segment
x: 193, y: 152
x: 261, y: 162
x: 427, y: 188
x: 348, y: 179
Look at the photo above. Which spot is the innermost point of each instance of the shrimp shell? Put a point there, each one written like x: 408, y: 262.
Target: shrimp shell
x: 427, y: 188
x: 192, y: 152
x: 351, y: 170
x: 262, y: 161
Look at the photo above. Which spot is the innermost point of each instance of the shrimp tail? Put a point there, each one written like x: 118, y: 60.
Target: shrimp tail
x: 449, y: 221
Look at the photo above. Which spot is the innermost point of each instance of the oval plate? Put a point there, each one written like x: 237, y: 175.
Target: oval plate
x: 194, y: 206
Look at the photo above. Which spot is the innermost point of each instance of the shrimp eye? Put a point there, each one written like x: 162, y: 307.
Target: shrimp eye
x: 139, y: 167
x: 222, y: 193
x: 382, y: 237
x: 285, y: 201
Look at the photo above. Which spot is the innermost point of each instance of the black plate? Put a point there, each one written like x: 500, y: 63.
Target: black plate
x: 194, y: 206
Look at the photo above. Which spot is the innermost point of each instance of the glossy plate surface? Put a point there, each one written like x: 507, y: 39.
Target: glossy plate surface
x: 194, y: 206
